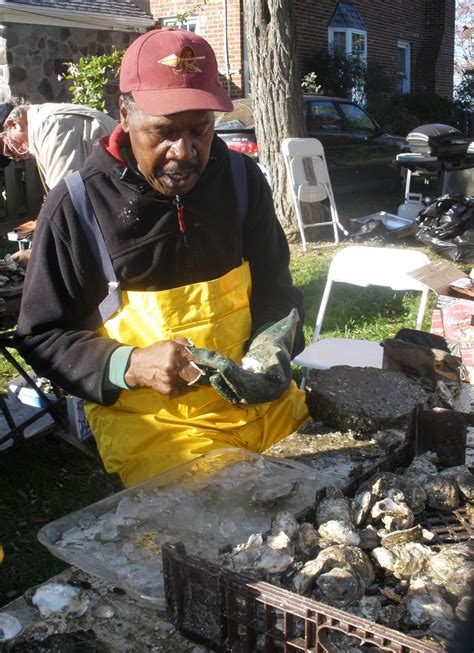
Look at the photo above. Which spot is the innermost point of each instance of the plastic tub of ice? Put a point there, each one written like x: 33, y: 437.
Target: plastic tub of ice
x: 221, y: 497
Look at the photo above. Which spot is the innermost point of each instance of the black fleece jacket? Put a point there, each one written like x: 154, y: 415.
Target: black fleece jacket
x: 64, y: 286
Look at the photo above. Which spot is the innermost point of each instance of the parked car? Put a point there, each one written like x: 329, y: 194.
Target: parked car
x: 359, y: 153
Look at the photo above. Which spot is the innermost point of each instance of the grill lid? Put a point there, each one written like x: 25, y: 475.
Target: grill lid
x: 437, y: 140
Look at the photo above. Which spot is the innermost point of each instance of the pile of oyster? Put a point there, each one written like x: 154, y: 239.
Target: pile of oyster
x: 372, y: 556
x: 12, y: 274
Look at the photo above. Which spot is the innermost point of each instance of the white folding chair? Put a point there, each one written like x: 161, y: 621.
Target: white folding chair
x: 309, y: 181
x: 362, y: 266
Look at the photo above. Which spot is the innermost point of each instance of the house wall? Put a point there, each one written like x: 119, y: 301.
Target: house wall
x: 213, y: 26
x: 428, y: 25
x: 33, y: 56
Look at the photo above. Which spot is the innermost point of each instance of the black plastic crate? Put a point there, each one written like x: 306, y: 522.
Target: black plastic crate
x: 227, y: 611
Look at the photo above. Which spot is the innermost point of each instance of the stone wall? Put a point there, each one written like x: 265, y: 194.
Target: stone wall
x: 33, y: 56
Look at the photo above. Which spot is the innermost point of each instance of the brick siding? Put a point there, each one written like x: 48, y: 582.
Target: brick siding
x: 211, y: 27
x: 427, y: 25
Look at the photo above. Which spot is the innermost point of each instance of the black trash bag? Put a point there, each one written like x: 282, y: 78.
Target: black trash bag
x: 447, y: 225
x: 418, y: 337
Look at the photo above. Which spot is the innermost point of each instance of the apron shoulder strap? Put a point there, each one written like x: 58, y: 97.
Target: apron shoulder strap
x: 239, y: 174
x: 80, y: 200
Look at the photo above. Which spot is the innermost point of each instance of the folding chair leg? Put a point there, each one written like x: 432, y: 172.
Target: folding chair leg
x: 304, y: 378
x: 299, y: 219
x: 335, y: 218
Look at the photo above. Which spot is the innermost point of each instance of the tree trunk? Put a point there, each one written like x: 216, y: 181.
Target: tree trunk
x: 276, y: 93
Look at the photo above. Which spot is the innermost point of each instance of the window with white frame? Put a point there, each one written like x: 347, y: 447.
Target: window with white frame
x: 403, y: 67
x: 349, y: 41
x: 191, y: 23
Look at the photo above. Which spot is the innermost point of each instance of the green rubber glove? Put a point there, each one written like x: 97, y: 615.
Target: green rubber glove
x: 265, y: 371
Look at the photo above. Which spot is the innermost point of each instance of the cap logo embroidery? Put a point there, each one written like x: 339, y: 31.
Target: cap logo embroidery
x: 184, y: 62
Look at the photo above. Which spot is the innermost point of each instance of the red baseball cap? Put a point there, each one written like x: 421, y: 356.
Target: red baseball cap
x: 172, y: 70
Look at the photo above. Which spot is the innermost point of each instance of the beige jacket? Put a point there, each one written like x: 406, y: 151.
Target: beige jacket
x: 61, y: 137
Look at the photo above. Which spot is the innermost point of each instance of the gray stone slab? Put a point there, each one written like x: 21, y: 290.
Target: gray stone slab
x: 363, y: 399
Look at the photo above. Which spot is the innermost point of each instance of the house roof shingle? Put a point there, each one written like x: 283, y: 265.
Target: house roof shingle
x: 347, y: 15
x: 124, y: 8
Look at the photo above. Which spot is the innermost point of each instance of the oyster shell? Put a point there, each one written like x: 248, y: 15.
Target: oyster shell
x: 425, y: 602
x: 446, y: 632
x: 103, y: 610
x: 369, y: 607
x: 285, y: 522
x: 379, y: 487
x: 64, y: 600
x: 382, y: 483
x: 469, y: 507
x: 399, y: 537
x: 10, y: 626
x: 273, y: 555
x: 464, y: 608
x: 441, y: 494
x: 276, y: 554
x: 403, y: 560
x: 421, y: 466
x: 414, y: 492
x: 393, y: 512
x: 369, y: 538
x: 391, y: 615
x: 273, y: 560
x: 336, y: 531
x: 272, y: 495
x: 361, y: 505
x: 243, y: 555
x: 453, y: 569
x: 353, y: 559
x: 340, y: 586
x: 307, y: 539
x: 462, y: 477
x: 334, y: 506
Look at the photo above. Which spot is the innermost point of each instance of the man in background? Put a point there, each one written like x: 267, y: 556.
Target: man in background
x: 58, y: 136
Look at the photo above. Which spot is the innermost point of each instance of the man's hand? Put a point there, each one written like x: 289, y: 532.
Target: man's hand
x: 26, y: 229
x: 164, y: 366
x: 22, y: 257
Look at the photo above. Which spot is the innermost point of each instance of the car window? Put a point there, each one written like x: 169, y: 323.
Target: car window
x: 240, y: 117
x: 322, y: 115
x: 356, y: 118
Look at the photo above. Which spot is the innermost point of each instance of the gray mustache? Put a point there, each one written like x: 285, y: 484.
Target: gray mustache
x: 177, y: 170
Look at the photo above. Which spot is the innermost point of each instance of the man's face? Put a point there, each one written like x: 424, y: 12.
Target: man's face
x: 171, y: 151
x: 14, y: 140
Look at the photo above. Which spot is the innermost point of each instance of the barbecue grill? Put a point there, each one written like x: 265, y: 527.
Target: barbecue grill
x: 437, y: 140
x: 439, y: 151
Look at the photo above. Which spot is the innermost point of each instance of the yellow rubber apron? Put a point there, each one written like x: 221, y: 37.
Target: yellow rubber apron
x: 145, y: 433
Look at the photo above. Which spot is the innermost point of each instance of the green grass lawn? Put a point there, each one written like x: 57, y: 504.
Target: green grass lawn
x: 47, y: 478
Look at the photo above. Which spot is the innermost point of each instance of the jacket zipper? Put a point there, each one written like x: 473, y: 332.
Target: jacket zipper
x: 181, y: 223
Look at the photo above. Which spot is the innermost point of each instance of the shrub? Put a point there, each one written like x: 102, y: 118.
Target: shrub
x: 400, y: 114
x: 349, y: 77
x: 464, y: 91
x: 90, y: 76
